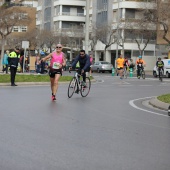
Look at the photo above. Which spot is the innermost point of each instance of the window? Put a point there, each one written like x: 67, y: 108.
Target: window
x: 24, y: 16
x: 130, y: 13
x: 15, y: 29
x: 23, y: 28
x: 20, y: 29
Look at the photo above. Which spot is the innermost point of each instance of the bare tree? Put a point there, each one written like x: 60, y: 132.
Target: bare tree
x: 107, y: 36
x: 142, y: 35
x: 10, y: 17
x: 160, y: 16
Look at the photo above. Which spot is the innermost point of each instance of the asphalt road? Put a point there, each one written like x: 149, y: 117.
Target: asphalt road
x: 111, y: 129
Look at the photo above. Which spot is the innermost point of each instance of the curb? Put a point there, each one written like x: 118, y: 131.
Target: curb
x: 30, y: 83
x: 158, y: 104
x: 37, y: 83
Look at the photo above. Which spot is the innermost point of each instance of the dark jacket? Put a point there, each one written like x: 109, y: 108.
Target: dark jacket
x: 13, y: 59
x: 84, y: 62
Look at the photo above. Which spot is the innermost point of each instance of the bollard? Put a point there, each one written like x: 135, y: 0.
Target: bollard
x: 131, y: 72
x: 113, y: 71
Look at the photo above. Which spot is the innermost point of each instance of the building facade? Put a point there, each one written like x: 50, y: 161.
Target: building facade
x: 116, y: 13
x: 65, y: 18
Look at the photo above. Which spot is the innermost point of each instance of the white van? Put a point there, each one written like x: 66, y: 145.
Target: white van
x: 166, y: 68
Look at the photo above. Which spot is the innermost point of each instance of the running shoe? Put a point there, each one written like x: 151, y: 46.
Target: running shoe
x: 53, y: 98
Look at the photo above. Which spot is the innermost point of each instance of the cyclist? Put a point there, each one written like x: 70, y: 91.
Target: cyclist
x: 120, y: 62
x: 160, y: 65
x: 84, y: 65
x: 140, y: 65
x: 125, y: 65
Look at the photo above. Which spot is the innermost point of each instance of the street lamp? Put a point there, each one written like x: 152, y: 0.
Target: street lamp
x: 118, y: 19
x: 87, y: 27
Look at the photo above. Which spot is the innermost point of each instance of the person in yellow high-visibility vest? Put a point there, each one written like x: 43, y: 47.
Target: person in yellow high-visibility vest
x: 13, y: 60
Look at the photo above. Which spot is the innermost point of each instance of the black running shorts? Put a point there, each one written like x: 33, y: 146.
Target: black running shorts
x: 53, y: 72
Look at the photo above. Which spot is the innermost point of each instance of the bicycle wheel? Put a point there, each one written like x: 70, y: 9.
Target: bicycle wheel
x: 143, y: 74
x: 125, y: 74
x: 86, y: 89
x: 72, y: 87
x: 161, y: 75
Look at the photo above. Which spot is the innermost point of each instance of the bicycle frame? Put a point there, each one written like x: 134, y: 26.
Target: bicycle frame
x: 77, y: 84
x: 76, y: 75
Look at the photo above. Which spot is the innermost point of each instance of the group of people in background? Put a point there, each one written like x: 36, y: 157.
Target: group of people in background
x: 125, y: 63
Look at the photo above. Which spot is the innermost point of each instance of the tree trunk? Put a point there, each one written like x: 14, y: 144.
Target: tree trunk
x: 2, y: 51
x: 104, y: 58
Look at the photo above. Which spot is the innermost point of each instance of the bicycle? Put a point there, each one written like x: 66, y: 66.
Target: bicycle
x: 125, y: 72
x: 77, y: 84
x: 142, y: 73
x: 161, y: 74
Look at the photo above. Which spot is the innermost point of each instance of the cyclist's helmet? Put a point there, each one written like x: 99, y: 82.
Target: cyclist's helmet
x: 140, y: 57
x: 159, y: 58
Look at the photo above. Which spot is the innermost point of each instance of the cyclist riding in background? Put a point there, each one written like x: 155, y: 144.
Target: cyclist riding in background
x: 160, y: 65
x: 140, y: 63
x: 126, y: 63
x: 84, y: 65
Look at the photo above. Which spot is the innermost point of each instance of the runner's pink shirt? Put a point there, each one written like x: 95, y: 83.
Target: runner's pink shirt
x: 58, y: 58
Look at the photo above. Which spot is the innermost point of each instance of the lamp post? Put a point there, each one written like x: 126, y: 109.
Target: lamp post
x: 87, y: 27
x: 118, y: 18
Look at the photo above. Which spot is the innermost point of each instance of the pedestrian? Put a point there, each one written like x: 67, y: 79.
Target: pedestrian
x: 13, y: 60
x: 5, y: 62
x: 37, y: 64
x: 56, y: 64
x: 91, y: 62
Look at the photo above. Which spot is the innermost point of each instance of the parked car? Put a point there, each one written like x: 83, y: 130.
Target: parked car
x: 166, y: 69
x: 102, y: 66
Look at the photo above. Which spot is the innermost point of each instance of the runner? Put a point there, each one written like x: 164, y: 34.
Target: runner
x: 56, y: 64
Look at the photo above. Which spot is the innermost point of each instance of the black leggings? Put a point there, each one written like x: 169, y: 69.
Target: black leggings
x: 83, y: 74
x: 13, y: 71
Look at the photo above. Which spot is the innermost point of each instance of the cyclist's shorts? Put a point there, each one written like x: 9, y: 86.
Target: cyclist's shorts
x: 120, y: 68
x: 53, y: 72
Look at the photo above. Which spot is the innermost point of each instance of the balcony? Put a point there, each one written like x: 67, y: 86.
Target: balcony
x: 134, y: 4
x: 71, y: 3
x: 67, y: 16
x: 71, y: 14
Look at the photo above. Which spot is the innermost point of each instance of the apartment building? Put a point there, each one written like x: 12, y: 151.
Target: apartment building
x: 114, y: 13
x: 61, y: 17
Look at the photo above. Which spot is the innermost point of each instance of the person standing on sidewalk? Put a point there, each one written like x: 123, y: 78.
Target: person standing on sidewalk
x: 13, y: 59
x: 56, y: 64
x: 37, y: 64
x: 5, y: 62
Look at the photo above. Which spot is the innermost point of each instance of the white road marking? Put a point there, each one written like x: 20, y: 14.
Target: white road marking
x: 131, y: 102
x: 145, y: 85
